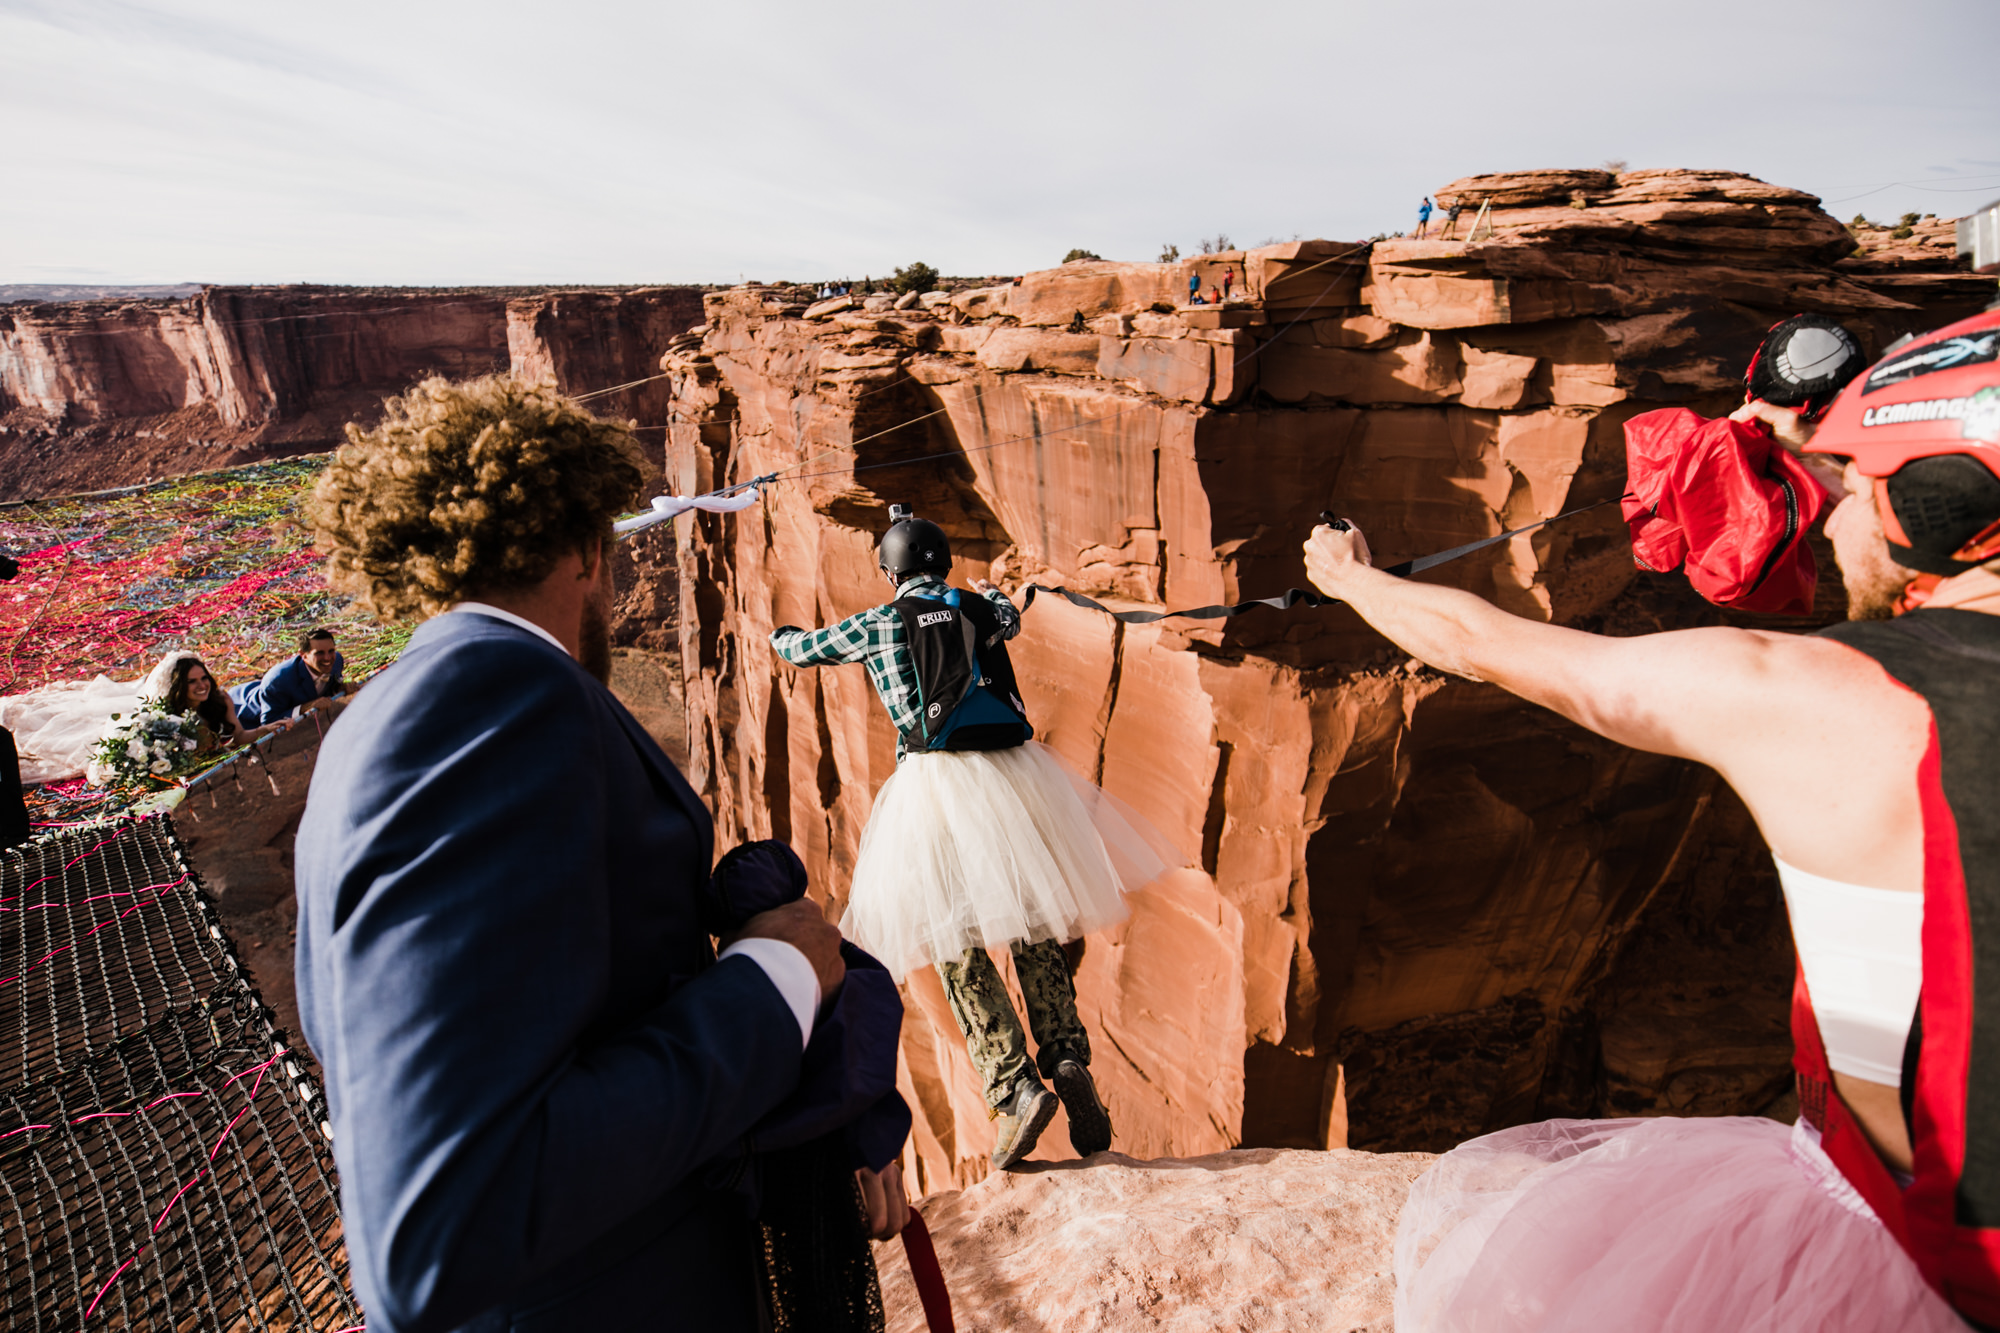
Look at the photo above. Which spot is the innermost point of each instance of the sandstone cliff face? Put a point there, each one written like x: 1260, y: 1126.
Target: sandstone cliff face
x: 107, y: 393
x: 1416, y: 908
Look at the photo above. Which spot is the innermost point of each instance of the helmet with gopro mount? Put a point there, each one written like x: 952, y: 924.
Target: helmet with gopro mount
x: 913, y: 546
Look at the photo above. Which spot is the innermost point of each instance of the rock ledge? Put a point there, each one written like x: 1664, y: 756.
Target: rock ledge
x: 1256, y: 1239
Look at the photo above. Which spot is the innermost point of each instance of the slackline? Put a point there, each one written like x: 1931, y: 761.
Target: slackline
x: 1292, y: 597
x: 163, y: 1161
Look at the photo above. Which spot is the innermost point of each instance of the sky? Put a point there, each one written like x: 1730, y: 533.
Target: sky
x: 434, y: 143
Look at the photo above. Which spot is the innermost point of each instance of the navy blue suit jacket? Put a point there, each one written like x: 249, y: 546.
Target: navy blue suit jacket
x: 529, y: 1048
x: 282, y: 688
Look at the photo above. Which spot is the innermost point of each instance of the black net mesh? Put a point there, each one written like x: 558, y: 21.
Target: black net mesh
x: 162, y: 1159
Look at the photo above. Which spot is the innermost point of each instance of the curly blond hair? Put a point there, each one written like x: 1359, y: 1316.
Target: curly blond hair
x: 468, y: 489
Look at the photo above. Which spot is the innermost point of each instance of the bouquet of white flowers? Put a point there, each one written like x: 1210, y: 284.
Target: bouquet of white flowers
x: 148, y: 743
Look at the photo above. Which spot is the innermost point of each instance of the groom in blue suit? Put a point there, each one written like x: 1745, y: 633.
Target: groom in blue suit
x: 540, y: 1075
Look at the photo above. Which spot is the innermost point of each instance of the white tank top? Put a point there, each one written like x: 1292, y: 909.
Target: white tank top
x: 1862, y: 951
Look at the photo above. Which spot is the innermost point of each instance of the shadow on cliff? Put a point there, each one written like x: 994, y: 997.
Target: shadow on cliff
x: 909, y: 453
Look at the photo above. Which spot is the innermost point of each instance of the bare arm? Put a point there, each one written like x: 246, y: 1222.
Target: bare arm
x: 1689, y: 692
x: 1775, y: 714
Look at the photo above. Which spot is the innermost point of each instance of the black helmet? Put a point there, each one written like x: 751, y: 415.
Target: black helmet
x: 913, y: 546
x: 1804, y: 362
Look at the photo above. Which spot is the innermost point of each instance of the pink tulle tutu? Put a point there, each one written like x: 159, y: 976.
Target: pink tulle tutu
x: 1721, y: 1225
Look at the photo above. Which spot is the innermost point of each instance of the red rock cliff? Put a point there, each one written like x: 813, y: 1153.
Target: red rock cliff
x: 1422, y: 908
x: 107, y: 393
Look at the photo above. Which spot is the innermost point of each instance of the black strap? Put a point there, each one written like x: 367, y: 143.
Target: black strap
x: 1292, y: 597
x: 1424, y: 562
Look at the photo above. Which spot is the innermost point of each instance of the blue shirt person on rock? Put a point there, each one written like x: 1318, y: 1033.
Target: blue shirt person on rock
x: 313, y: 674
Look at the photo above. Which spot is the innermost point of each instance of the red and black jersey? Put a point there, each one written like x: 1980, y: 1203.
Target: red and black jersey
x: 1948, y: 1215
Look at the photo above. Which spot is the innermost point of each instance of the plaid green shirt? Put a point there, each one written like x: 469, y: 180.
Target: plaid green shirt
x: 876, y: 637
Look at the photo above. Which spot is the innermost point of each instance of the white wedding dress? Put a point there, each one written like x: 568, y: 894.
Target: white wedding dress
x: 56, y: 727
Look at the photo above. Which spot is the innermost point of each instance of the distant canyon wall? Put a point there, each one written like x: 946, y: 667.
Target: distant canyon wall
x: 1416, y: 908
x: 98, y: 394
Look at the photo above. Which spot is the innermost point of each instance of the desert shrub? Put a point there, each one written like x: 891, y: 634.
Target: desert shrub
x: 918, y: 277
x: 1170, y: 254
x: 1077, y: 254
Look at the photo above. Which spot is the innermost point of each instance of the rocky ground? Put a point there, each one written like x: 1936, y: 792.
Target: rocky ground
x: 1252, y: 1240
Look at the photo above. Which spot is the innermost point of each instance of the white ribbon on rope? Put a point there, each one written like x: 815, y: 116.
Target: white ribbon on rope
x: 672, y: 506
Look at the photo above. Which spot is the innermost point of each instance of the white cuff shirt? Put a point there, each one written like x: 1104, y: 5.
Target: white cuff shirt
x: 789, y: 971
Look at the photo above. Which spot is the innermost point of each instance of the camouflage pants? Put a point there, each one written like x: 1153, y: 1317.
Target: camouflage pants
x: 993, y: 1035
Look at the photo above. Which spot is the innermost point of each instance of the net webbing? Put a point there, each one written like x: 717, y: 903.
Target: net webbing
x: 162, y: 1161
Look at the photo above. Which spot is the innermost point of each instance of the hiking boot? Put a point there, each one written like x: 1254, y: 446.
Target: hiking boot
x: 1022, y: 1119
x: 1089, y: 1122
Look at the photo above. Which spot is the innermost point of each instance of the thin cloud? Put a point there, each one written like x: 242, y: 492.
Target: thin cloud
x: 142, y: 26
x: 509, y: 140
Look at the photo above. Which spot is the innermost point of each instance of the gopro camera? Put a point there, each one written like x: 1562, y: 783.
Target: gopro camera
x: 899, y: 513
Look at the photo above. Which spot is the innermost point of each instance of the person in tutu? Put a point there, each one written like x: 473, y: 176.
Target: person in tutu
x: 981, y: 839
x: 1869, y: 754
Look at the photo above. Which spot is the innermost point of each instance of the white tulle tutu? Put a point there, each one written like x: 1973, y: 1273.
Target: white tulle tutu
x: 990, y: 847
x: 57, y: 726
x: 1651, y: 1226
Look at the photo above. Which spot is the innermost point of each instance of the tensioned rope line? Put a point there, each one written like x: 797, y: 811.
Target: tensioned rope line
x: 1292, y: 597
x: 788, y: 472
x: 1241, y: 360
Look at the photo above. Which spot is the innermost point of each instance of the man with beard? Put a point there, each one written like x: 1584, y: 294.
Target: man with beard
x: 540, y: 1076
x: 1869, y: 755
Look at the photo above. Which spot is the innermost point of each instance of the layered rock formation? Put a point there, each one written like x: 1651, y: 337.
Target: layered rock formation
x: 1926, y: 260
x: 1416, y: 908
x: 1251, y: 1240
x: 107, y: 393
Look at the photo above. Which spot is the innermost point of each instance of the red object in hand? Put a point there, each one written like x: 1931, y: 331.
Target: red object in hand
x: 1724, y: 498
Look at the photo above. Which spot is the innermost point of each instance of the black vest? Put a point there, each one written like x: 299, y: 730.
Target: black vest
x: 1949, y: 1218
x: 966, y: 695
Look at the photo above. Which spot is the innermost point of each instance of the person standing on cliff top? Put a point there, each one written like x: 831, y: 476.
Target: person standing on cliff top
x: 1869, y: 755
x: 981, y: 839
x: 1423, y: 217
x: 1451, y: 215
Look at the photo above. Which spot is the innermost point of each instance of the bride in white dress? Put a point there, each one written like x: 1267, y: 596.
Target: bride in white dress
x: 56, y: 727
